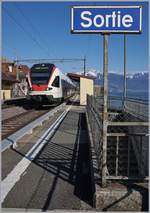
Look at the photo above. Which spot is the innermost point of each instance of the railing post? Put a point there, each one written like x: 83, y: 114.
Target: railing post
x: 117, y: 152
x: 141, y: 157
x: 105, y: 114
x: 128, y: 169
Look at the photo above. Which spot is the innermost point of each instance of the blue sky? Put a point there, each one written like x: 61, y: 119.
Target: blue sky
x: 42, y: 30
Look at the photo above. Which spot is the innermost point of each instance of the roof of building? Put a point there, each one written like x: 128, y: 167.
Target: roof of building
x: 77, y: 77
x: 8, y: 77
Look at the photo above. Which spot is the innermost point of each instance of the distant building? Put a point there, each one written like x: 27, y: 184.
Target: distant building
x: 13, y: 79
x: 13, y: 70
x: 85, y: 86
x: 8, y: 82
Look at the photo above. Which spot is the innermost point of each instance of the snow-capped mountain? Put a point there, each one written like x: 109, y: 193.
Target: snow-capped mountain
x: 136, y: 83
x: 89, y: 73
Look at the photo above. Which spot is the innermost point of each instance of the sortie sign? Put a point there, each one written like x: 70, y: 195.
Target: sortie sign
x: 106, y: 19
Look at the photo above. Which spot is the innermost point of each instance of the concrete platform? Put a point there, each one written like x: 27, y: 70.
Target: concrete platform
x: 59, y: 177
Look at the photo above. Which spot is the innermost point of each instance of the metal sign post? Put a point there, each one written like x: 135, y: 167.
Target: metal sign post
x: 105, y: 107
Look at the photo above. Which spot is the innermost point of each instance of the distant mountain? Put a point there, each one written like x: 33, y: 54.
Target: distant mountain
x: 137, y: 84
x: 137, y: 81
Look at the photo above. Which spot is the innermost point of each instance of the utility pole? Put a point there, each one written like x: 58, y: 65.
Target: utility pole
x: 84, y: 65
x: 105, y: 113
x: 125, y: 79
x: 16, y: 63
x: 17, y: 70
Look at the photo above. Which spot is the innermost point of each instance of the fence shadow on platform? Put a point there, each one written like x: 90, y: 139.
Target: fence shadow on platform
x: 68, y: 161
x: 83, y: 184
x: 74, y: 103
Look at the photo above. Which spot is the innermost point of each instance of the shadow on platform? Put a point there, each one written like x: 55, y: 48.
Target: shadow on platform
x: 74, y: 103
x: 68, y: 161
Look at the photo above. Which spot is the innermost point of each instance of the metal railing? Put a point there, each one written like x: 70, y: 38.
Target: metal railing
x: 137, y: 107
x: 114, y: 102
x: 96, y: 126
x: 127, y: 141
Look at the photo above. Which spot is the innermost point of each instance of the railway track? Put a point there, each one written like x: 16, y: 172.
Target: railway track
x: 11, y: 125
x: 16, y: 127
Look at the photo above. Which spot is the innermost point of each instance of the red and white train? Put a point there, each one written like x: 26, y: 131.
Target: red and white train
x: 47, y: 84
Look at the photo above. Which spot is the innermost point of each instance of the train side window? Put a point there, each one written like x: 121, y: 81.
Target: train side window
x: 56, y: 82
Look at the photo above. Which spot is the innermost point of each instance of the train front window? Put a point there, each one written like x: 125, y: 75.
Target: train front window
x: 56, y: 82
x: 40, y: 75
